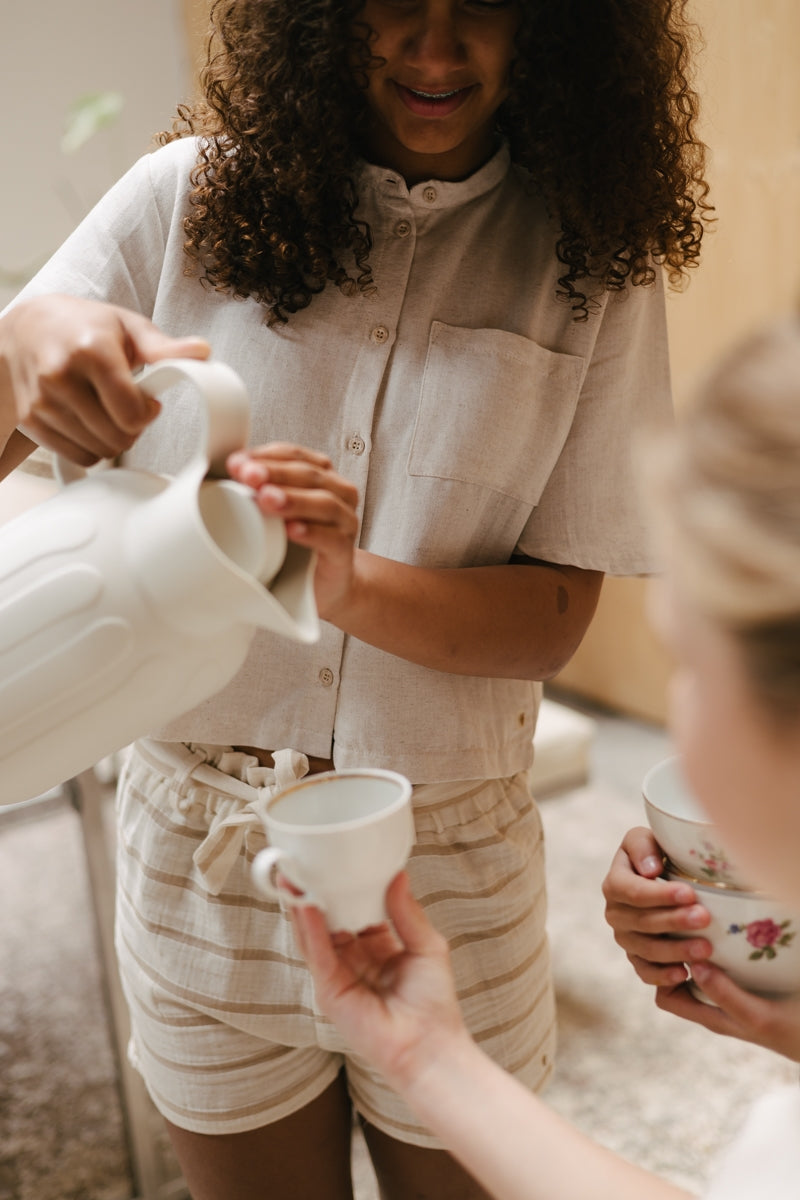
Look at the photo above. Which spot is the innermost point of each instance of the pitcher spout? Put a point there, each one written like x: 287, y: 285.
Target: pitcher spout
x: 292, y: 609
x: 207, y: 559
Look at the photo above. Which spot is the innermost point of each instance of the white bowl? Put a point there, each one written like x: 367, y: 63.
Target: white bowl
x: 755, y: 939
x: 682, y: 829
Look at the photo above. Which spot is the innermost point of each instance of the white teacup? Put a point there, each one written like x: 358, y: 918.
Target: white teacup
x: 339, y: 838
x: 684, y: 831
x: 753, y: 937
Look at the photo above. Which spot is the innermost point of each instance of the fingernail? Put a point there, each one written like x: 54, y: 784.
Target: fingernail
x: 696, y: 916
x: 683, y: 894
x: 652, y: 865
x: 275, y: 495
x: 254, y: 474
x: 701, y: 972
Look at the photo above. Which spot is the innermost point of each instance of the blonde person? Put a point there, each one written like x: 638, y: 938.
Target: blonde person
x: 660, y: 924
x: 430, y: 236
x: 729, y: 608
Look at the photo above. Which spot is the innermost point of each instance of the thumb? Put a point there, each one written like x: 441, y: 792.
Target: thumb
x: 413, y: 928
x: 724, y: 993
x: 146, y: 343
x: 644, y: 852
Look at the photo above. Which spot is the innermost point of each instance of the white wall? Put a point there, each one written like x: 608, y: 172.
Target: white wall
x: 51, y: 53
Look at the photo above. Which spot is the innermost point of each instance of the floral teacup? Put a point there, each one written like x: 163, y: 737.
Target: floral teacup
x: 755, y: 938
x: 682, y: 829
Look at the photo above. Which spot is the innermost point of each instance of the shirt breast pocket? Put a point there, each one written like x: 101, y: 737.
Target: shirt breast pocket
x: 495, y: 410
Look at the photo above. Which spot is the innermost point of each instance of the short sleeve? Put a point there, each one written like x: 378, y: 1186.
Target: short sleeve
x: 116, y: 254
x: 591, y: 513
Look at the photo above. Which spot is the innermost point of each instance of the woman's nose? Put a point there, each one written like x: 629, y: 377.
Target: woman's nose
x: 434, y: 40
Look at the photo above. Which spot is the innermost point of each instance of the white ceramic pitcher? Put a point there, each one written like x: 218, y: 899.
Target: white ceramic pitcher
x: 130, y: 597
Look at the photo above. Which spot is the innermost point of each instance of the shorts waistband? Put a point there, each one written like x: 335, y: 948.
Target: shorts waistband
x: 205, y: 765
x: 207, y: 778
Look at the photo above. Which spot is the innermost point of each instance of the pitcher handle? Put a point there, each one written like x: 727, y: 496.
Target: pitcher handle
x: 225, y: 413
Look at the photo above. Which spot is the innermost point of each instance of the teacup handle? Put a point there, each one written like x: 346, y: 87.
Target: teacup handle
x: 264, y: 865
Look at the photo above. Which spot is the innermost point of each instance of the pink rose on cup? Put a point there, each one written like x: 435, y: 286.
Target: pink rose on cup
x: 763, y: 933
x: 765, y: 936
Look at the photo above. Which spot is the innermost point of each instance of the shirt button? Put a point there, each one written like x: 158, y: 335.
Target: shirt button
x: 356, y: 444
x: 402, y: 229
x: 429, y: 195
x: 326, y: 677
x: 380, y: 335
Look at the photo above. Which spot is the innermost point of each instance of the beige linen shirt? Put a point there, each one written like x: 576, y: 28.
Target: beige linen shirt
x: 475, y: 415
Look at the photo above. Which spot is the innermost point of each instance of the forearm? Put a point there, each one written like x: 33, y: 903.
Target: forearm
x: 14, y: 449
x: 513, y: 621
x: 14, y: 445
x: 517, y: 1147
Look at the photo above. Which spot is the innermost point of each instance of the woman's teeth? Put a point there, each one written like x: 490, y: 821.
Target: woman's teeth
x: 434, y: 95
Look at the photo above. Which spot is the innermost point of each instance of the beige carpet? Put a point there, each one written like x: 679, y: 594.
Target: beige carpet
x: 662, y: 1092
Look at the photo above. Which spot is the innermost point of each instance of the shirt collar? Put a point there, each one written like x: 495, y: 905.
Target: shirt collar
x: 437, y: 193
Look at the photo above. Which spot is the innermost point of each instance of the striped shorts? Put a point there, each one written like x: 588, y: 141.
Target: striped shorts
x: 225, y: 1030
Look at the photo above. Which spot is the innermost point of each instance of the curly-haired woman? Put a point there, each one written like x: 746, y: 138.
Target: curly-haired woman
x: 430, y: 235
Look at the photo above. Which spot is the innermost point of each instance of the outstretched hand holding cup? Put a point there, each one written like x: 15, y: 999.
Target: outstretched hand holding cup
x: 389, y: 991
x: 339, y: 838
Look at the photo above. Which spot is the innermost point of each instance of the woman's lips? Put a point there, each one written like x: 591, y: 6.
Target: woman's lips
x: 432, y: 104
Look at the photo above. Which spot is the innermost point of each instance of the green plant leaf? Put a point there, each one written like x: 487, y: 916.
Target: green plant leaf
x: 87, y: 115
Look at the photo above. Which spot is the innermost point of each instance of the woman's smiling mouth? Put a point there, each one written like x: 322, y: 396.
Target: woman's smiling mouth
x: 434, y: 103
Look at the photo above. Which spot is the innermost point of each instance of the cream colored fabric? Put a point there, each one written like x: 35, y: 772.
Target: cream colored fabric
x: 225, y: 1028
x: 236, y: 814
x: 475, y: 415
x: 763, y: 1162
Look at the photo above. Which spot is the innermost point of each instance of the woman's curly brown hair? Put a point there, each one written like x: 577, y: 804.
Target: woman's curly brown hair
x: 600, y: 111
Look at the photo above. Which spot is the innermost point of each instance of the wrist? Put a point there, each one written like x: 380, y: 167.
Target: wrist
x: 449, y: 1059
x: 339, y: 605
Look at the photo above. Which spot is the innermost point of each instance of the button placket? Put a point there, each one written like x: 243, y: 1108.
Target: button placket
x: 395, y: 229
